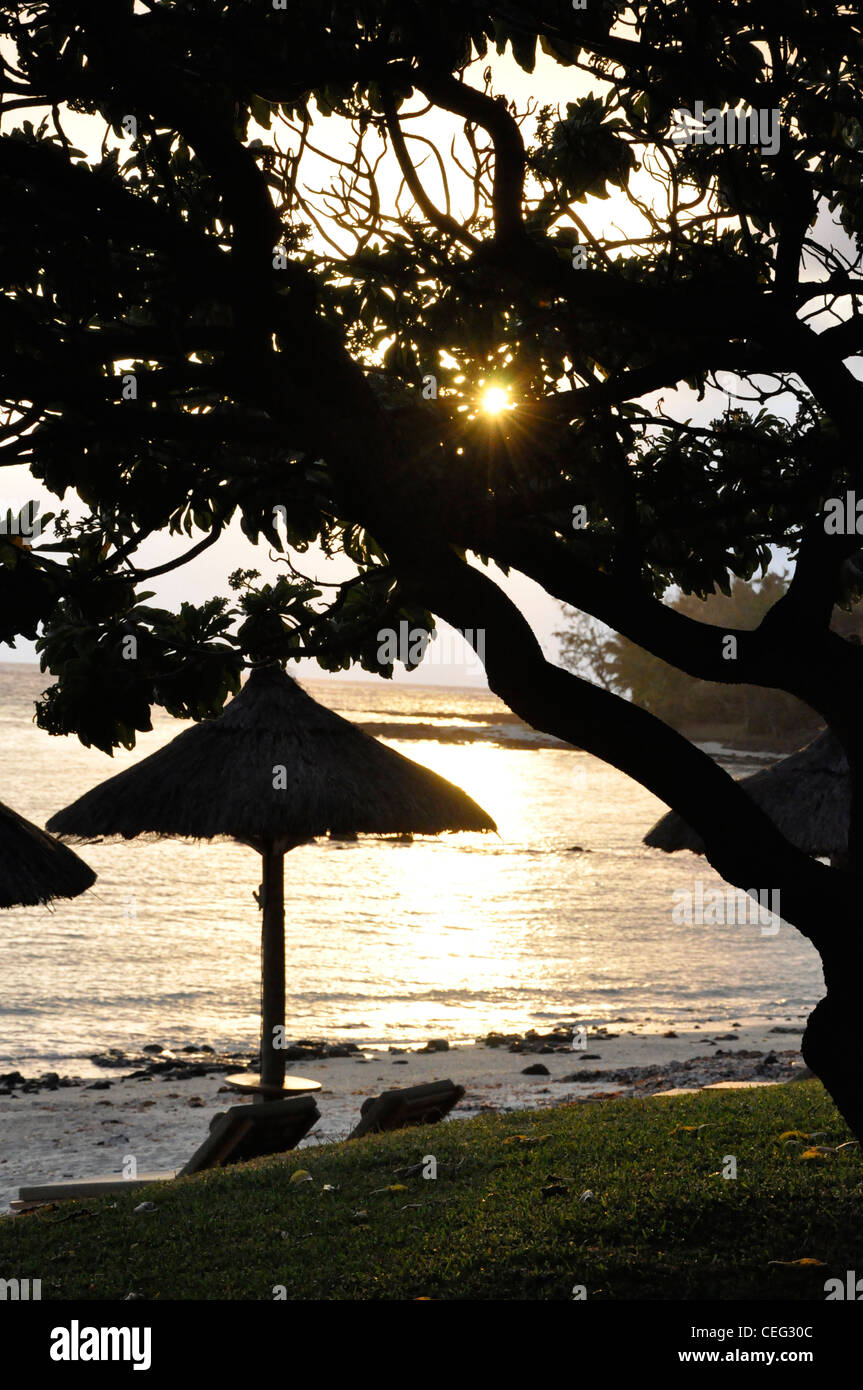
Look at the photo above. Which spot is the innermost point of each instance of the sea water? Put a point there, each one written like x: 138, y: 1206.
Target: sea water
x: 563, y: 915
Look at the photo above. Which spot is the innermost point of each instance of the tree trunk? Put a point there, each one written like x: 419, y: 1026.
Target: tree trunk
x: 272, y: 967
x: 741, y: 842
x: 831, y: 1048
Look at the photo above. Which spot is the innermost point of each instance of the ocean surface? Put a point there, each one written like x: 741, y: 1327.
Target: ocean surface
x: 386, y: 943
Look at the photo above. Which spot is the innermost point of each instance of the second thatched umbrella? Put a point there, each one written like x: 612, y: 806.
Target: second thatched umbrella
x: 273, y: 771
x: 34, y: 868
x: 807, y: 796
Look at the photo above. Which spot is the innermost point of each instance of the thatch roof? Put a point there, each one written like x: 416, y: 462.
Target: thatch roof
x: 807, y: 796
x: 34, y: 868
x: 217, y: 779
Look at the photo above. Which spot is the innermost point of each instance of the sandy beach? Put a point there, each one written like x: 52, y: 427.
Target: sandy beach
x: 76, y: 1128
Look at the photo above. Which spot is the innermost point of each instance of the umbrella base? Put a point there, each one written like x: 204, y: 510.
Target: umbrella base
x: 293, y: 1085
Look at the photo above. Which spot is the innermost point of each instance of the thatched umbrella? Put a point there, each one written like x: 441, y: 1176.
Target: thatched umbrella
x: 34, y: 868
x: 807, y: 796
x: 273, y: 771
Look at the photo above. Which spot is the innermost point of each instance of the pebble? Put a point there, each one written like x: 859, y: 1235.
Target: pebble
x: 741, y: 1064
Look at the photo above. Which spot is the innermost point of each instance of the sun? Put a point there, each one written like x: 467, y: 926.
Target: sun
x: 495, y: 400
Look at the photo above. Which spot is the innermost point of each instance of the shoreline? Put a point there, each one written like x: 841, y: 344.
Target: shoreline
x: 115, y: 1062
x: 77, y: 1127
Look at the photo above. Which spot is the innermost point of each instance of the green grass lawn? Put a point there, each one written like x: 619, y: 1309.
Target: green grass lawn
x: 664, y: 1223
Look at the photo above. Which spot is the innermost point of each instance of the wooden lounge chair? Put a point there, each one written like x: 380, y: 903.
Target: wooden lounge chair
x: 415, y: 1105
x: 236, y: 1135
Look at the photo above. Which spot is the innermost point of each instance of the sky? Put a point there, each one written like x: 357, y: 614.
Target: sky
x: 449, y: 661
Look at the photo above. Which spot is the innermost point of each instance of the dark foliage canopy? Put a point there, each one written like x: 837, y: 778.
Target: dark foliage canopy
x: 295, y: 379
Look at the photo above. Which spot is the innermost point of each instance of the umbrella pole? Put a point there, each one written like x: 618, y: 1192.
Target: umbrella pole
x: 272, y: 966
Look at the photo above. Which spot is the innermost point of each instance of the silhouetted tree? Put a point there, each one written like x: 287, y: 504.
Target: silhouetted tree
x: 748, y: 714
x: 161, y: 359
